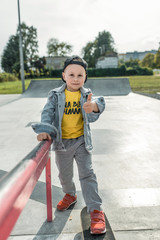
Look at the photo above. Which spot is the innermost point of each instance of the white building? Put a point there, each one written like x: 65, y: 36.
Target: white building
x: 109, y: 61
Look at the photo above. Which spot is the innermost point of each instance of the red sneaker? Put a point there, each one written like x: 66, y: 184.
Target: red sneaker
x: 66, y: 202
x: 98, y: 225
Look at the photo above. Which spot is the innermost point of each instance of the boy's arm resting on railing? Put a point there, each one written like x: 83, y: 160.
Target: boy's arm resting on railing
x: 43, y: 136
x: 45, y: 131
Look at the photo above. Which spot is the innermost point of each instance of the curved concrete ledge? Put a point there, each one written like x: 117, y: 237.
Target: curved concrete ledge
x: 99, y: 86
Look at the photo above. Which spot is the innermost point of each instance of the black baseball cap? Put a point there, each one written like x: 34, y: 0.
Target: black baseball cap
x: 75, y: 60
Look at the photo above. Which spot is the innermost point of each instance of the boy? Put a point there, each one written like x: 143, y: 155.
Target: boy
x: 70, y: 108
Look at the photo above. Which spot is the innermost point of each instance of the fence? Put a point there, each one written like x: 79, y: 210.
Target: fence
x: 17, y: 186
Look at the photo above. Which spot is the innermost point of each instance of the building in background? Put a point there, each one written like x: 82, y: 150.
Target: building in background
x: 135, y: 55
x: 110, y: 60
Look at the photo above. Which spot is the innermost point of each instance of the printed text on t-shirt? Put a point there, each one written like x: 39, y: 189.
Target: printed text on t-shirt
x: 75, y: 109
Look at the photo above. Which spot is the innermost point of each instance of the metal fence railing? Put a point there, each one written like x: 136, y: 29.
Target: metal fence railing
x: 17, y: 186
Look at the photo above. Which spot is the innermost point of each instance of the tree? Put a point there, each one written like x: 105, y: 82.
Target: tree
x: 101, y: 46
x: 29, y: 42
x: 157, y: 59
x: 10, y: 57
x: 56, y: 48
x: 40, y: 63
x: 104, y: 44
x: 10, y: 54
x: 132, y: 63
x: 88, y: 54
x: 148, y: 61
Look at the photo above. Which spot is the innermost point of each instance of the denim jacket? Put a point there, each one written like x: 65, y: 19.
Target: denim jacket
x: 53, y: 113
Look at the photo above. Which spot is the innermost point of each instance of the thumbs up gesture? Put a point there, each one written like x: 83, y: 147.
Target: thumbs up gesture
x: 90, y: 106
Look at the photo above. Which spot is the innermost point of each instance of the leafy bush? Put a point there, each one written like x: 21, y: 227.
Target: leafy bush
x: 107, y: 72
x: 92, y: 72
x: 139, y: 71
x: 131, y: 71
x: 102, y: 72
x: 56, y: 73
x: 7, y: 77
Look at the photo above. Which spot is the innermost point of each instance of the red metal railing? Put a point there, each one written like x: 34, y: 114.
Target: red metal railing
x: 17, y: 186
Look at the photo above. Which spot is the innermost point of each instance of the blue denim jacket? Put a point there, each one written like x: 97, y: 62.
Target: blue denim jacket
x: 53, y: 113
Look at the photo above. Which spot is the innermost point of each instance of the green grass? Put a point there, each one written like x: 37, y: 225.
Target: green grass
x: 13, y: 87
x: 16, y: 87
x: 145, y: 84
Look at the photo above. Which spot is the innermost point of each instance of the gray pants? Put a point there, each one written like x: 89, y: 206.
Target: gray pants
x: 75, y: 149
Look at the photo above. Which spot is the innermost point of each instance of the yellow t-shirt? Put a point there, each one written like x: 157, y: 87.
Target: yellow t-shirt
x: 72, y: 121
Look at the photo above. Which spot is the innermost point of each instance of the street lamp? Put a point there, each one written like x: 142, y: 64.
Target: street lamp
x: 21, y: 50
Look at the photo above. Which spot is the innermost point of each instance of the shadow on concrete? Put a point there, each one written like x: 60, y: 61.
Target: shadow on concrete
x: 78, y: 236
x: 39, y: 195
x: 2, y: 173
x: 60, y: 218
x: 56, y: 226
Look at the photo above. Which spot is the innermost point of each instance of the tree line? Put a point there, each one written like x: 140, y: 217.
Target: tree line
x: 10, y: 61
x: 150, y: 61
x: 102, y: 45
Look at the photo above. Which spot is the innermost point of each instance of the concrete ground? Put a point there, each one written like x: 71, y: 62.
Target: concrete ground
x: 125, y: 158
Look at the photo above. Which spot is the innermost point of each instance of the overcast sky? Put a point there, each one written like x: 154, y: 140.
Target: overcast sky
x: 134, y: 25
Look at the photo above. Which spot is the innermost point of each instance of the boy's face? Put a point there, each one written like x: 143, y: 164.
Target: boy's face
x: 75, y: 76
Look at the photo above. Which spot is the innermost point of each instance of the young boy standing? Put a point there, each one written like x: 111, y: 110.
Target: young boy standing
x: 70, y: 109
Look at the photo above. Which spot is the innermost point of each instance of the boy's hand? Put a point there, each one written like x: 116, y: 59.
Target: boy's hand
x: 90, y: 106
x: 43, y: 136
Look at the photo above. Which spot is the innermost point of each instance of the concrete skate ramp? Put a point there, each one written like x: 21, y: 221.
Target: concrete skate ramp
x: 40, y: 88
x: 109, y: 86
x: 99, y: 86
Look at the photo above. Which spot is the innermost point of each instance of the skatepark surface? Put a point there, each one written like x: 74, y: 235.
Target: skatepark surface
x: 105, y: 87
x: 125, y: 159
